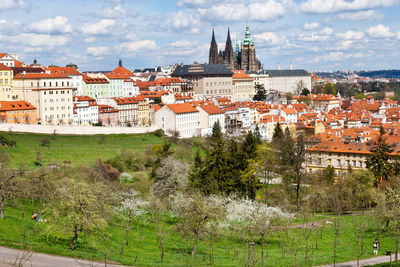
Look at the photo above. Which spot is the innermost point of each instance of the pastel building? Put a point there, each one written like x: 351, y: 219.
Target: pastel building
x: 6, y: 80
x: 178, y: 118
x: 17, y: 112
x: 50, y: 93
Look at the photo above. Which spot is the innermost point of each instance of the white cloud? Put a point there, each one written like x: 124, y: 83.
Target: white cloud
x: 112, y: 13
x: 351, y: 35
x: 184, y: 44
x: 58, y: 24
x: 90, y: 40
x: 184, y: 20
x: 326, y: 31
x: 269, y: 38
x: 313, y: 37
x: 259, y: 11
x: 98, y: 51
x: 337, y: 56
x: 10, y: 4
x: 380, y: 31
x: 102, y: 27
x: 332, y: 6
x: 136, y: 46
x: 197, y: 3
x: 362, y: 15
x: 311, y: 26
x: 33, y: 39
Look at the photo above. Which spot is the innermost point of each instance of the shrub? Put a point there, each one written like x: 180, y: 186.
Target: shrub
x: 45, y: 142
x: 126, y: 177
x: 5, y: 141
x: 159, y: 133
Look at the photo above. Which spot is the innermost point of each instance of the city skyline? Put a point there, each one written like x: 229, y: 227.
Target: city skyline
x: 310, y: 34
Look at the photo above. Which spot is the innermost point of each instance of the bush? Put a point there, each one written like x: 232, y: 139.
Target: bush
x: 126, y: 178
x: 159, y: 133
x: 5, y: 141
x: 45, y: 142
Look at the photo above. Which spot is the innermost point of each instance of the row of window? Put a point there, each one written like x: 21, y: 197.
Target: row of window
x: 17, y: 112
x: 223, y: 91
x: 57, y: 108
x: 3, y: 81
x: 62, y: 92
x: 5, y: 73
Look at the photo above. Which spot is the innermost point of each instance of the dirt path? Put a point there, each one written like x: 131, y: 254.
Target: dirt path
x: 364, y: 262
x: 9, y: 255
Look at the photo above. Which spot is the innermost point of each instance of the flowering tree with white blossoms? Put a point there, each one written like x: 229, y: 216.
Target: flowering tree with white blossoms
x: 132, y: 205
x: 255, y: 217
x: 195, y: 211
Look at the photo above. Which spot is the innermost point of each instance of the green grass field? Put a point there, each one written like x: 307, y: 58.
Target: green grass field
x: 79, y: 150
x: 320, y: 245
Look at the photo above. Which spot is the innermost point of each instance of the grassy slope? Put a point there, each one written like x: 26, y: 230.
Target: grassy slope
x: 93, y: 246
x: 79, y: 150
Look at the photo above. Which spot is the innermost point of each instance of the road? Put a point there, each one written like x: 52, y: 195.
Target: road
x: 364, y: 262
x: 8, y: 255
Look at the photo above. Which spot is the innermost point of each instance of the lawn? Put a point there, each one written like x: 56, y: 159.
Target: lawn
x: 147, y: 253
x: 78, y: 150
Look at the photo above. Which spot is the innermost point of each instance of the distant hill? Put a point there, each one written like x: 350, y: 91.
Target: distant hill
x: 389, y: 74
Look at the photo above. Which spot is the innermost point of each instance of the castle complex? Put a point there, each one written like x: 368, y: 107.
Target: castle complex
x: 242, y: 58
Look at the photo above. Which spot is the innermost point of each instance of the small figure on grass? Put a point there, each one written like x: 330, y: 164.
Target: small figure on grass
x: 376, y: 246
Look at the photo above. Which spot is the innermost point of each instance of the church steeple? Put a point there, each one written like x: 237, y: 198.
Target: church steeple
x: 229, y: 56
x: 213, y: 58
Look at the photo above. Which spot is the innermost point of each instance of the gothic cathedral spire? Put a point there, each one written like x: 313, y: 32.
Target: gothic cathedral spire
x: 229, y: 55
x: 213, y: 58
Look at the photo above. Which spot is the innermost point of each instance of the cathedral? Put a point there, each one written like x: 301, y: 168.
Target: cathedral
x: 243, y: 58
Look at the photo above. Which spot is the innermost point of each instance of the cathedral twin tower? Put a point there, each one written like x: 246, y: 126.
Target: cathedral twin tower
x: 243, y: 59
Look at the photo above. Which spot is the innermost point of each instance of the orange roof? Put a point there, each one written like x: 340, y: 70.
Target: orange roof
x: 64, y: 70
x: 114, y: 76
x: 88, y: 79
x: 83, y: 98
x: 40, y: 76
x: 2, y: 54
x: 182, y: 108
x: 289, y: 110
x: 19, y: 64
x: 122, y: 70
x: 240, y: 74
x: 4, y: 67
x: 324, y: 97
x: 125, y: 100
x: 15, y: 105
x: 212, y: 109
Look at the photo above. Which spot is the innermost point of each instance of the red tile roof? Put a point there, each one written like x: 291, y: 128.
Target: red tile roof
x: 88, y: 79
x: 122, y: 70
x: 212, y: 109
x: 4, y: 67
x: 64, y: 70
x: 40, y: 76
x: 15, y: 105
x: 182, y: 108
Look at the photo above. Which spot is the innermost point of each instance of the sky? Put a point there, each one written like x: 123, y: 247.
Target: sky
x: 316, y: 35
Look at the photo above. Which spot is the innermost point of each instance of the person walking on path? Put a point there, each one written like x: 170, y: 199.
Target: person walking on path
x: 376, y: 246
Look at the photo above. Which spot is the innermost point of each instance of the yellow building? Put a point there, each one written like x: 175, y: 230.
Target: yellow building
x: 6, y: 79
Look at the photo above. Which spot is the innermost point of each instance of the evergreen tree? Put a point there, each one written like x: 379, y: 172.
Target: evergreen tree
x: 378, y: 162
x: 216, y: 131
x: 249, y: 146
x: 278, y: 132
x: 234, y: 165
x: 260, y: 93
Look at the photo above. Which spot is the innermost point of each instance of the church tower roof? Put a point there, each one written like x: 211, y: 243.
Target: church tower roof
x: 247, y: 38
x: 213, y: 58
